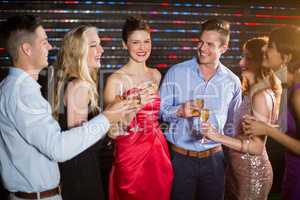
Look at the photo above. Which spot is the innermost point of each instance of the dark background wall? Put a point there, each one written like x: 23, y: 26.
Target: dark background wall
x: 175, y: 28
x: 175, y: 25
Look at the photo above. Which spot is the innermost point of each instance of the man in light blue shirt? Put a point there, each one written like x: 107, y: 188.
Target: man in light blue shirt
x: 31, y: 141
x: 199, y: 166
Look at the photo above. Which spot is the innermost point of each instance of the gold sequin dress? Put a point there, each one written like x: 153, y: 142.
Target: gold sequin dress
x: 248, y: 177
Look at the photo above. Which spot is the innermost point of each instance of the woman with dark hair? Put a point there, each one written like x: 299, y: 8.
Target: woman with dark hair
x: 284, y: 50
x: 142, y: 168
x: 249, y: 173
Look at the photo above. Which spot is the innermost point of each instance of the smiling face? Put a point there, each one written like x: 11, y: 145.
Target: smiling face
x: 210, y: 47
x: 39, y: 49
x: 244, y: 62
x: 95, y: 49
x: 139, y: 45
x: 272, y: 58
x: 248, y: 71
x: 248, y: 62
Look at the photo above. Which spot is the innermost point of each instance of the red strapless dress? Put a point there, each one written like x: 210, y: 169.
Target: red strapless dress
x: 142, y: 168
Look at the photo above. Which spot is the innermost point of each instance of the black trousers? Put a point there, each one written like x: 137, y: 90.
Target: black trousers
x: 3, y: 192
x: 198, y: 178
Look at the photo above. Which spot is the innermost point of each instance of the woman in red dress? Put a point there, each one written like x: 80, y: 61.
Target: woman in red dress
x: 142, y: 168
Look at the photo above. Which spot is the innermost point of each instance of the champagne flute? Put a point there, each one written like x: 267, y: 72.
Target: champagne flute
x: 199, y: 103
x: 119, y: 125
x: 150, y: 87
x: 204, y: 116
x: 136, y: 96
x: 154, y: 85
x: 133, y: 96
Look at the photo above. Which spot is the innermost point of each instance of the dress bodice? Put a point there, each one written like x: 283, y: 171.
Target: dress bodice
x: 142, y: 158
x: 147, y: 117
x: 247, y: 176
x: 246, y: 108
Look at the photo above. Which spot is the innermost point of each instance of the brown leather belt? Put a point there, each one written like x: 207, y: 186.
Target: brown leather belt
x: 197, y: 154
x: 34, y: 195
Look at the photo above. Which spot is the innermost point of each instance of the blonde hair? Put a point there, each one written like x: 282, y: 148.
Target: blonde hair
x: 72, y: 64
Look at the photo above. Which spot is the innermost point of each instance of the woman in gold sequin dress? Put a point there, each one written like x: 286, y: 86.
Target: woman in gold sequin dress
x: 249, y: 173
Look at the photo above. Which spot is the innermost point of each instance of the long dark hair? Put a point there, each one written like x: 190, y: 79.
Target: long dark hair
x: 287, y: 41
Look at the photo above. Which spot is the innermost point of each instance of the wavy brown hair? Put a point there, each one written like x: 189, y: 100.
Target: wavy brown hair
x: 254, y: 47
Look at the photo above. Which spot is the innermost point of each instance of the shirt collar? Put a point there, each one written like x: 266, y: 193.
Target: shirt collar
x: 221, y: 69
x: 24, y: 76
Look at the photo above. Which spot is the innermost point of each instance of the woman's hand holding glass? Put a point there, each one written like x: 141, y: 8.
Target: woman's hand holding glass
x: 119, y: 114
x: 148, y: 91
x: 136, y: 97
x: 203, y: 117
x: 209, y: 131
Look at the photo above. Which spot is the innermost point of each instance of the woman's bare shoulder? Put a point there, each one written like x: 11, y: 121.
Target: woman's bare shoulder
x: 78, y: 83
x: 116, y: 76
x: 262, y: 95
x: 155, y: 73
x: 77, y: 90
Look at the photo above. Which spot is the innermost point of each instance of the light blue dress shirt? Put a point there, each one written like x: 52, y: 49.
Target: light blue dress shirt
x: 222, y: 96
x: 31, y: 141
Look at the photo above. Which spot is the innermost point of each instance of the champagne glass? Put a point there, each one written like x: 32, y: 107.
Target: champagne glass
x: 150, y: 87
x: 199, y: 103
x: 136, y: 96
x: 204, y: 116
x: 119, y: 125
x: 154, y: 86
x: 133, y: 96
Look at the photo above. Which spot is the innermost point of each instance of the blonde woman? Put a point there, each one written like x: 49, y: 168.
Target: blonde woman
x: 77, y: 64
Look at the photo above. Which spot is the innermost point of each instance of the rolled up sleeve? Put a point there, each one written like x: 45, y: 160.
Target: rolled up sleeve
x: 36, y: 125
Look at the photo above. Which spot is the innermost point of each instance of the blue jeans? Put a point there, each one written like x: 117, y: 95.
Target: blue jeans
x: 198, y: 178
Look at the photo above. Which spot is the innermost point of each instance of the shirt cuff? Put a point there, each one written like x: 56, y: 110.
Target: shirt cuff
x: 172, y: 113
